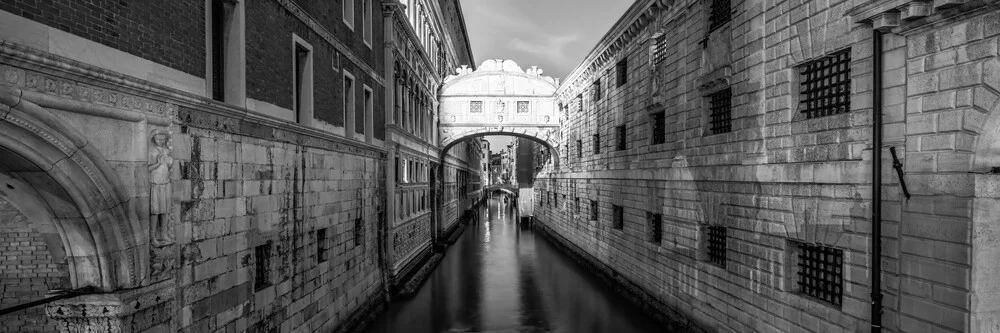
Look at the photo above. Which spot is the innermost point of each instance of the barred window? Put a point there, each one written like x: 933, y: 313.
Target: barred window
x: 620, y: 137
x: 597, y: 143
x: 720, y: 111
x: 594, y: 210
x: 476, y: 106
x: 659, y: 128
x: 719, y: 14
x: 576, y: 205
x: 617, y: 217
x: 321, y: 245
x: 821, y: 271
x: 262, y: 266
x: 826, y: 85
x: 622, y: 72
x: 655, y: 227
x: 597, y: 90
x: 523, y: 106
x: 717, y: 245
x: 579, y: 101
x: 555, y: 199
x: 359, y: 231
x: 579, y: 148
x: 660, y: 49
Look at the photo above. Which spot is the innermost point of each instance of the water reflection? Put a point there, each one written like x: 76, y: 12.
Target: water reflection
x: 501, y: 277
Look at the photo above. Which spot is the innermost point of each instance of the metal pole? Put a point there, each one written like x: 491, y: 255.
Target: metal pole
x: 876, y: 236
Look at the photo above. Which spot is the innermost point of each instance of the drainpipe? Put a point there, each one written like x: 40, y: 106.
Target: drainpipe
x: 876, y: 237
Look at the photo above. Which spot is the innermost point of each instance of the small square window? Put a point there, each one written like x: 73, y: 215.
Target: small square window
x: 620, y: 137
x: 595, y: 212
x: 820, y: 272
x: 717, y: 245
x: 622, y: 72
x: 523, y: 106
x: 617, y: 217
x: 476, y: 107
x: 659, y: 128
x: 825, y: 87
x: 654, y: 227
x: 720, y: 111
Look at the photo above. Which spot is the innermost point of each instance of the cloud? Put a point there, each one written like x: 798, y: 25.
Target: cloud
x: 552, y: 47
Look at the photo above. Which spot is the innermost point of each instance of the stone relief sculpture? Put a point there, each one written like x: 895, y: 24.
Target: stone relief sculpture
x: 160, y: 163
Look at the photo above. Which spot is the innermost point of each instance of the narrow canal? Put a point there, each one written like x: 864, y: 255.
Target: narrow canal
x: 500, y: 277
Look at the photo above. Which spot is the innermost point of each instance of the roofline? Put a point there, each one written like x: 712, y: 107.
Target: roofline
x: 468, y: 44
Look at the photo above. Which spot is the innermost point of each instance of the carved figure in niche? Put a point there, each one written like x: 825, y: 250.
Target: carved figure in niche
x: 160, y: 163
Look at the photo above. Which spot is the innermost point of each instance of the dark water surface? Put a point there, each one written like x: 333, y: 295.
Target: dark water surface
x: 500, y: 277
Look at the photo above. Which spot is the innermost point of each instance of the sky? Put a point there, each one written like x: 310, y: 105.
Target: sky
x: 554, y: 35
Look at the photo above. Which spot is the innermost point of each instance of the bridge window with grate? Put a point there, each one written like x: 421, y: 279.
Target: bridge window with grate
x: 617, y: 217
x: 820, y: 272
x: 262, y: 266
x: 654, y: 227
x: 597, y: 143
x: 595, y: 212
x: 620, y: 137
x: 825, y: 85
x: 621, y: 72
x: 717, y: 245
x: 523, y: 106
x: 660, y: 49
x: 659, y: 128
x: 476, y: 106
x: 720, y: 111
x: 719, y: 13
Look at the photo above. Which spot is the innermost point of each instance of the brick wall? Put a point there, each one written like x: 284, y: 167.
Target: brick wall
x: 27, y: 271
x: 136, y: 27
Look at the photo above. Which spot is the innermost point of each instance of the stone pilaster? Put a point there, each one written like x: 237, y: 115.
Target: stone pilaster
x: 143, y: 309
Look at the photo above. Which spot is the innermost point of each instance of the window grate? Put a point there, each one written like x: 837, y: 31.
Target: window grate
x: 579, y: 148
x: 523, y: 106
x: 621, y: 70
x: 576, y: 205
x: 660, y: 49
x: 321, y: 245
x: 618, y: 217
x: 359, y: 231
x: 597, y: 143
x: 476, y: 107
x: 594, y: 210
x: 655, y: 227
x: 826, y: 85
x: 720, y: 111
x: 597, y: 90
x: 659, y: 128
x: 821, y: 272
x: 719, y: 14
x: 620, y: 131
x: 262, y: 266
x: 717, y: 245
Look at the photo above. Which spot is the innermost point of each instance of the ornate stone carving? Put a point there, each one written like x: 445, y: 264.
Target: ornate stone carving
x: 125, y: 311
x: 160, y: 163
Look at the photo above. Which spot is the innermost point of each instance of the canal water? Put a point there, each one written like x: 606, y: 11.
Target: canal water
x: 500, y: 277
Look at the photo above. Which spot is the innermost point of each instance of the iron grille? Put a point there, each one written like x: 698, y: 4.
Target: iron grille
x: 659, y: 128
x: 618, y: 217
x: 579, y: 101
x: 594, y: 212
x: 622, y: 72
x: 719, y: 14
x: 597, y: 143
x: 597, y: 90
x: 321, y: 245
x: 717, y: 245
x: 826, y: 85
x: 620, y: 131
x: 655, y: 227
x: 579, y: 148
x: 821, y: 272
x: 262, y: 266
x: 720, y: 111
x: 522, y: 106
x: 476, y: 106
x: 660, y: 49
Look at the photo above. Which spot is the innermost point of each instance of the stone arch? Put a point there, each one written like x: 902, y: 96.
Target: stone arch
x: 987, y: 149
x: 549, y: 141
x: 65, y: 179
x: 510, y: 189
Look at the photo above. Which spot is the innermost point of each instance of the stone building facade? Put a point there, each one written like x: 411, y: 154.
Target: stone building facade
x: 200, y: 165
x: 717, y: 163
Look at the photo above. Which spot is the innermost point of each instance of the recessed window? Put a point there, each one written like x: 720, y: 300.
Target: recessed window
x: 720, y: 111
x: 825, y: 87
x: 660, y: 49
x: 620, y: 137
x: 596, y: 86
x: 303, y: 77
x: 654, y: 227
x: 579, y: 103
x: 597, y: 143
x: 594, y: 210
x: 659, y: 128
x: 820, y: 272
x: 576, y: 205
x: 621, y: 70
x: 476, y: 106
x: 349, y: 107
x: 579, y: 148
x: 348, y: 12
x: 523, y: 106
x: 555, y: 199
x: 719, y: 14
x: 361, y: 120
x: 262, y: 266
x: 717, y: 245
x: 617, y: 217
x: 359, y: 231
x: 219, y: 18
x: 321, y: 245
x: 367, y: 26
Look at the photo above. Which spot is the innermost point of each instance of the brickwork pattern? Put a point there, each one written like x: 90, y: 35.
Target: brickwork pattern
x: 136, y: 27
